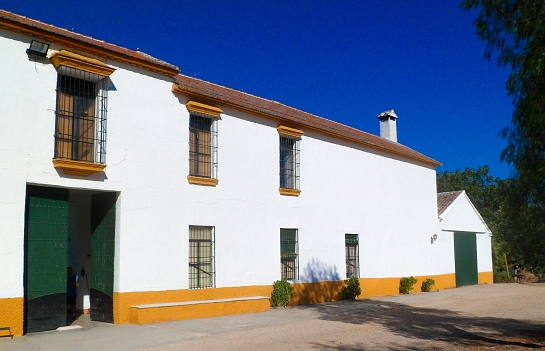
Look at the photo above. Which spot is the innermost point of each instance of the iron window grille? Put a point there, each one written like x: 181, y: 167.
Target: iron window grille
x: 201, y: 257
x: 289, y: 257
x: 203, y: 149
x: 352, y: 255
x: 289, y: 162
x: 80, y: 126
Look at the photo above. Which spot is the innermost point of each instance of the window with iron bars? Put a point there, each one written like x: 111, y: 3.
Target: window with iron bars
x: 289, y: 257
x: 289, y: 162
x: 352, y: 255
x: 201, y: 257
x: 202, y: 146
x: 80, y: 127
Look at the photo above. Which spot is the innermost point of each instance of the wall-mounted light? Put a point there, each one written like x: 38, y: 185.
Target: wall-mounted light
x: 38, y: 48
x: 433, y: 238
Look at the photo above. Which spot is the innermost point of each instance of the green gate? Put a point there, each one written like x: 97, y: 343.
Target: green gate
x: 465, y: 258
x: 46, y: 241
x: 102, y: 256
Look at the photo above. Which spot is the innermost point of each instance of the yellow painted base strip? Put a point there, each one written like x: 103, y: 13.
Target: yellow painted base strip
x: 486, y: 278
x: 204, y: 310
x: 124, y: 301
x: 308, y: 293
x: 305, y: 293
x: 11, y: 315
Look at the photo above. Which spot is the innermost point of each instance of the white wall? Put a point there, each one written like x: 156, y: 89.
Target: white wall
x: 346, y: 188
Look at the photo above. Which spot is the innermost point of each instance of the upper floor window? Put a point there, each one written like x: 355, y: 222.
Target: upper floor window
x: 289, y: 160
x: 202, y: 148
x: 203, y: 143
x: 80, y: 124
x: 80, y: 132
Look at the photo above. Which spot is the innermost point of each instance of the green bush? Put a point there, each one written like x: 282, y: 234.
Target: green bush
x: 501, y: 277
x: 406, y: 284
x: 281, y: 294
x: 351, y: 289
x: 427, y: 285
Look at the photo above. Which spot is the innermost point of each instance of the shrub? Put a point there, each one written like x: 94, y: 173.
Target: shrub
x: 427, y: 284
x: 351, y: 289
x: 501, y: 277
x: 281, y: 294
x: 406, y: 284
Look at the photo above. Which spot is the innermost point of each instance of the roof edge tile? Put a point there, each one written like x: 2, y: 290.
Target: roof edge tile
x: 198, y: 88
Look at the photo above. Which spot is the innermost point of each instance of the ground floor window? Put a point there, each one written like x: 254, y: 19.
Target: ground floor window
x: 352, y: 255
x: 201, y: 257
x: 289, y: 258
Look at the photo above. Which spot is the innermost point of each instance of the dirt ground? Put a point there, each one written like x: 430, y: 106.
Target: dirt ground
x: 485, y: 317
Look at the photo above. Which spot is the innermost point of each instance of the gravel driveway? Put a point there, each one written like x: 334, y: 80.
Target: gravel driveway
x: 498, y: 317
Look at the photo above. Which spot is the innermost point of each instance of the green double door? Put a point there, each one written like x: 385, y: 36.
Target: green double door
x: 465, y: 258
x: 46, y: 250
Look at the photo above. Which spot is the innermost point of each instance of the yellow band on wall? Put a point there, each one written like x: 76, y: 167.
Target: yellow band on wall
x: 124, y: 301
x: 486, y: 277
x: 11, y: 316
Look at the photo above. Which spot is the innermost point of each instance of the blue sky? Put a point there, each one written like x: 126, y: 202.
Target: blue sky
x: 347, y: 61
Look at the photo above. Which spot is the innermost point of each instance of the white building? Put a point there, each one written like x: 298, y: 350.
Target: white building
x: 462, y: 228
x: 95, y: 141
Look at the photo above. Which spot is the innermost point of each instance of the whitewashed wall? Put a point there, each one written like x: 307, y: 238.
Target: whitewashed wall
x: 346, y: 188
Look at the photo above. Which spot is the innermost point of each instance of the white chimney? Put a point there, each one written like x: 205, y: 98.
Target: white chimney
x: 388, y: 129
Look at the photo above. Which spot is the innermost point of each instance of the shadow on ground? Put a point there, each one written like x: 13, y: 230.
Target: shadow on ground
x: 434, y: 325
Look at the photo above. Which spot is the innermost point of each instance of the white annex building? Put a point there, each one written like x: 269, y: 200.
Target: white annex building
x: 142, y: 180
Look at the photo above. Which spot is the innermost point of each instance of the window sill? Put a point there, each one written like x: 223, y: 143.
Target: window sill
x: 202, y: 181
x: 289, y: 192
x: 78, y: 168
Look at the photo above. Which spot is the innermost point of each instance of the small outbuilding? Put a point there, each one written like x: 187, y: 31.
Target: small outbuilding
x: 462, y: 226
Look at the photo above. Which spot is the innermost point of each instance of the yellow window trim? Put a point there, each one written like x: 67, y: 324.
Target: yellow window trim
x: 289, y: 192
x: 78, y: 168
x: 202, y: 181
x: 193, y: 106
x: 296, y: 133
x: 70, y: 59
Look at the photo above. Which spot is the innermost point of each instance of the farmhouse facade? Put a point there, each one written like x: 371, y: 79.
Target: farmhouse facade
x: 175, y: 198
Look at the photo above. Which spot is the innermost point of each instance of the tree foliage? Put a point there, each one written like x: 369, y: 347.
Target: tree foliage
x: 480, y: 186
x: 515, y: 31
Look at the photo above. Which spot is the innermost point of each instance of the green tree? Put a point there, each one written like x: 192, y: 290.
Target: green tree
x: 515, y: 31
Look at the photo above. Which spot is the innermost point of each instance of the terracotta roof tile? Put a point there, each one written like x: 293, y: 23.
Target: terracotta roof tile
x: 445, y: 199
x: 52, y: 34
x: 272, y: 109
